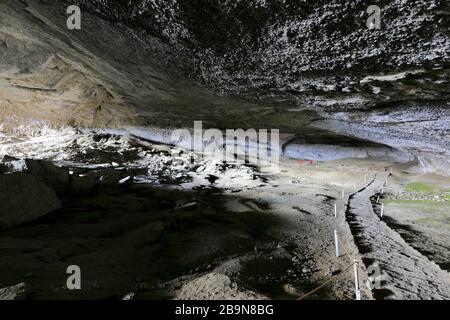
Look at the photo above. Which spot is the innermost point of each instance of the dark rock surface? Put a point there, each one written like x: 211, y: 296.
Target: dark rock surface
x: 24, y: 198
x: 14, y: 292
x: 95, y: 108
x: 55, y: 177
x: 295, y: 66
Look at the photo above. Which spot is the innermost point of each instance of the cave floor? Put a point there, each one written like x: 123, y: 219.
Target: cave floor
x: 142, y: 221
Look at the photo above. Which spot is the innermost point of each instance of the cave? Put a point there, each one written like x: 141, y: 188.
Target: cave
x: 224, y: 150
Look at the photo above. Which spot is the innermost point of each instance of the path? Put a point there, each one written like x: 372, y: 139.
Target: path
x: 406, y: 273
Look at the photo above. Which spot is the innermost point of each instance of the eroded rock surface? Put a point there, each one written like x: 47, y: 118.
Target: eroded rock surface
x: 83, y: 115
x: 267, y: 64
x: 24, y: 198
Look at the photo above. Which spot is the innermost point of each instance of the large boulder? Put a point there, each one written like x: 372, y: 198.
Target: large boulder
x: 24, y: 198
x: 55, y: 177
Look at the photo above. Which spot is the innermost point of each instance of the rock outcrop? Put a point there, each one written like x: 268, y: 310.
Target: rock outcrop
x: 294, y: 66
x: 24, y: 198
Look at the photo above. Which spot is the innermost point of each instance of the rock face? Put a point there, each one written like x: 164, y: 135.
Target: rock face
x: 320, y: 152
x: 90, y: 78
x: 53, y: 176
x: 291, y: 65
x: 24, y: 198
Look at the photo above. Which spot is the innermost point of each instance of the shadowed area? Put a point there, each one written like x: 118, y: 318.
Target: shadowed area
x: 340, y: 122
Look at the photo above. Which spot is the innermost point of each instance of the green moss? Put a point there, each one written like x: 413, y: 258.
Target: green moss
x: 419, y: 187
x: 427, y: 213
x: 405, y: 201
x: 436, y: 221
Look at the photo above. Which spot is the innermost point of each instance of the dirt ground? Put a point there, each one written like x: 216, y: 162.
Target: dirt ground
x: 201, y: 230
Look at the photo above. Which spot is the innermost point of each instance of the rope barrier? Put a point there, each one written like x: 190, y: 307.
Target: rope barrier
x: 328, y: 281
x: 355, y: 261
x: 345, y: 249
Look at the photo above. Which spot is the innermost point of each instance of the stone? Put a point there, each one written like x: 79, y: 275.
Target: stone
x: 11, y: 164
x: 16, y: 166
x: 24, y: 198
x: 13, y: 292
x: 55, y: 177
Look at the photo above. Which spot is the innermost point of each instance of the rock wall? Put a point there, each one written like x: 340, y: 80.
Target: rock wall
x: 290, y: 65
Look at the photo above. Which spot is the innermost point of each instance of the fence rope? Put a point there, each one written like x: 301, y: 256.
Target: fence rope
x: 327, y: 282
x: 355, y: 261
x: 345, y: 248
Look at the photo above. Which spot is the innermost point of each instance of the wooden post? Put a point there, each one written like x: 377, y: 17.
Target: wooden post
x: 382, y: 209
x: 357, y: 289
x: 336, y: 242
x: 343, y: 194
x: 335, y: 210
